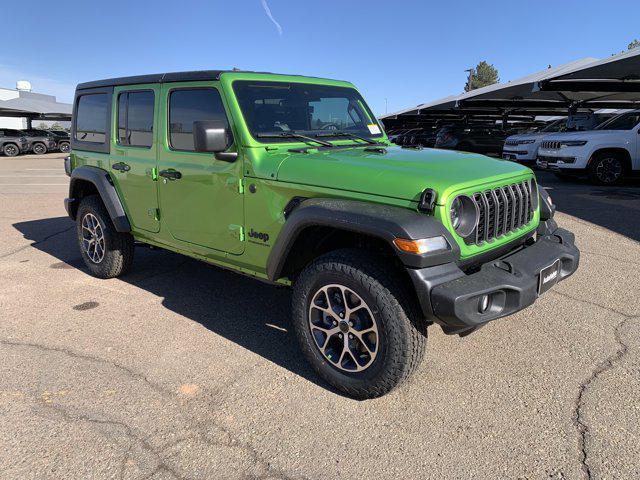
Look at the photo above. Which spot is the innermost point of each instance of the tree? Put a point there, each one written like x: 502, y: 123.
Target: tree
x: 634, y: 44
x: 481, y: 76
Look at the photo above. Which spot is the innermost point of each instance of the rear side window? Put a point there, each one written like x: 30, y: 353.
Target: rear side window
x: 192, y: 105
x: 135, y: 118
x: 92, y: 118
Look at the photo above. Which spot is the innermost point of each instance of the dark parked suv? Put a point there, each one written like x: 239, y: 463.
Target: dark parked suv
x: 471, y: 138
x: 12, y: 142
x: 63, y: 140
x: 40, y: 141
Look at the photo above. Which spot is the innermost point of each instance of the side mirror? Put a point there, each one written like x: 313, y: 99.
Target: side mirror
x: 213, y: 136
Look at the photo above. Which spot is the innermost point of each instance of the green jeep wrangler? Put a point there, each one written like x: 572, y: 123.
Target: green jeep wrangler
x: 292, y: 180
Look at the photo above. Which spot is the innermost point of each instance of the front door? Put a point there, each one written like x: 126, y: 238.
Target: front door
x: 200, y: 197
x: 133, y: 153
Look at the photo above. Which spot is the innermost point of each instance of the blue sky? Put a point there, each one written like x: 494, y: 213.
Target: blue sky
x: 406, y: 52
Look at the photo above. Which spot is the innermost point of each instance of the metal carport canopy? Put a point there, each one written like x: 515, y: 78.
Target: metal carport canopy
x: 587, y: 83
x: 31, y: 108
x: 619, y: 73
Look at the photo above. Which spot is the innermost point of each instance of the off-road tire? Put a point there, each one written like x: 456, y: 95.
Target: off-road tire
x: 39, y: 148
x: 118, y: 247
x: 596, y: 175
x: 64, y: 147
x: 402, y: 330
x: 11, y: 150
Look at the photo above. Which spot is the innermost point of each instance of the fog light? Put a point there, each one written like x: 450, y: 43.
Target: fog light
x: 484, y: 304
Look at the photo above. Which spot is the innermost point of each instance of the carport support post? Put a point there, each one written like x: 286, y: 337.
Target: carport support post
x: 29, y: 124
x: 505, y: 119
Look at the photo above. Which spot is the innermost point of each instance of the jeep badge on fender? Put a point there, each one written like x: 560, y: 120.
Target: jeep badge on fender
x: 377, y: 242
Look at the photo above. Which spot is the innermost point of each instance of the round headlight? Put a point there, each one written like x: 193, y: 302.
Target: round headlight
x: 464, y: 215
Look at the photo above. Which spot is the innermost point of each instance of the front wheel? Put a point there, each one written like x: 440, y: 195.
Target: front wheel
x: 606, y: 169
x: 106, y: 252
x: 64, y: 147
x: 356, y: 324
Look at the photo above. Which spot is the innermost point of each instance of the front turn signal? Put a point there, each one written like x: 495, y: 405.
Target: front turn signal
x: 422, y: 246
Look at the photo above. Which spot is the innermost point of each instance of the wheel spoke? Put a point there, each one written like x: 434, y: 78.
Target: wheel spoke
x: 337, y: 311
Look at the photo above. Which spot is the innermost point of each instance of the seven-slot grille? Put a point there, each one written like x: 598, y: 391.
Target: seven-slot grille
x: 550, y: 145
x: 512, y: 143
x: 502, y: 210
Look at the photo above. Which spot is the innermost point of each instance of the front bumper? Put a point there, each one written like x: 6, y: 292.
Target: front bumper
x: 512, y: 282
x: 518, y: 153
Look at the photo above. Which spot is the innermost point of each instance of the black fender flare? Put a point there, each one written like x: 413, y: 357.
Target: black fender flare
x: 547, y: 208
x: 386, y: 222
x: 103, y: 183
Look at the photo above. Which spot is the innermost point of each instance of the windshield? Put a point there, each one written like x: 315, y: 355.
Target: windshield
x: 557, y: 126
x: 626, y: 121
x: 277, y: 107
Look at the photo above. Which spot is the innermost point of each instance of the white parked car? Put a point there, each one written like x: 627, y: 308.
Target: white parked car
x: 605, y: 154
x: 524, y: 146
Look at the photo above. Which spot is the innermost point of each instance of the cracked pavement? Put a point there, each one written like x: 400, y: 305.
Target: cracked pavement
x: 182, y: 370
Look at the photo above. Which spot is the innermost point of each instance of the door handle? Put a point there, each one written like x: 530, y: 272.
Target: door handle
x: 170, y: 174
x: 121, y: 167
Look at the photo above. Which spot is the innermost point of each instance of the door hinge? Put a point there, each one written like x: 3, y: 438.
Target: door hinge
x: 237, y: 231
x: 155, y: 213
x: 240, y: 185
x: 154, y: 174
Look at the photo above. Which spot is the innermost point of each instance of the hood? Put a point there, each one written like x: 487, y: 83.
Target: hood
x: 398, y: 173
x: 527, y: 136
x: 583, y: 135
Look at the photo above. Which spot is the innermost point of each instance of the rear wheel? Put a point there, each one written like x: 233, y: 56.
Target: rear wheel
x: 106, y: 252
x: 10, y: 150
x: 356, y: 324
x: 606, y: 169
x: 39, y: 148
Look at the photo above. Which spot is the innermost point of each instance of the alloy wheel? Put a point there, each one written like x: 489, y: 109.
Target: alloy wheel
x: 93, y: 238
x: 609, y: 170
x: 10, y: 151
x: 343, y: 328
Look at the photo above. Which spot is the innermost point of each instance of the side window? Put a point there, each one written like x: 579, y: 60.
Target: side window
x: 92, y: 118
x: 192, y: 105
x: 135, y: 118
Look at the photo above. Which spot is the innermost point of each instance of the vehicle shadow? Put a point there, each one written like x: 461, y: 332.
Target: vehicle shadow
x: 250, y: 313
x: 615, y: 208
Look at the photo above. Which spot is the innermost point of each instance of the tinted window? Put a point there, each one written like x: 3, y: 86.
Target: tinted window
x: 135, y: 119
x: 91, y: 118
x: 188, y: 106
x: 626, y: 121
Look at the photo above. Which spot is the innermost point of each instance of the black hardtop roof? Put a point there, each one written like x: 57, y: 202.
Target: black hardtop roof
x: 162, y: 78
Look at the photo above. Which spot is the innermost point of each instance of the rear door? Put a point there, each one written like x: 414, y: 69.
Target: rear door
x: 133, y: 153
x: 204, y: 206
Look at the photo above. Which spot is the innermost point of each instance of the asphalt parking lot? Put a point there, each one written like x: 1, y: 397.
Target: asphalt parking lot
x: 183, y: 370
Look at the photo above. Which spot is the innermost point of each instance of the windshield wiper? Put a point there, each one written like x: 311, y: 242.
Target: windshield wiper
x: 350, y: 135
x: 295, y: 135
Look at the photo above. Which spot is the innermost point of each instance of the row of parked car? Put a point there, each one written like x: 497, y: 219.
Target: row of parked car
x: 14, y: 142
x: 604, y: 147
